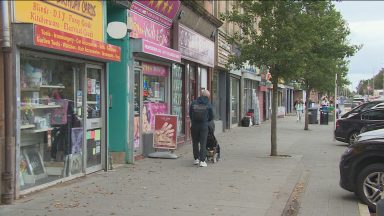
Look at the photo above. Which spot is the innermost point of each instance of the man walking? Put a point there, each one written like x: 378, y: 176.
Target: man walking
x: 200, y: 113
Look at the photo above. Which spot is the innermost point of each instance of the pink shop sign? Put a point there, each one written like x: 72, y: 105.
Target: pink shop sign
x: 161, y: 51
x: 162, y: 11
x: 196, y: 47
x: 154, y: 69
x: 149, y: 30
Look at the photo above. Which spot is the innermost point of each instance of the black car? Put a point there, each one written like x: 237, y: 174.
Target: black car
x: 363, y: 107
x: 362, y: 167
x: 348, y: 128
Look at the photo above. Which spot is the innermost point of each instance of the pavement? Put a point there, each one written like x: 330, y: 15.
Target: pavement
x: 302, y: 180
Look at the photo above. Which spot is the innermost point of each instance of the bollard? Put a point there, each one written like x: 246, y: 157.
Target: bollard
x: 380, y: 207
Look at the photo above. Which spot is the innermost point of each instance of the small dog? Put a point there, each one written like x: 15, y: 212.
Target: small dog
x: 213, y: 154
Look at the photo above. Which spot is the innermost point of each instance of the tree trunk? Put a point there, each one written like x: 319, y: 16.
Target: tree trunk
x: 275, y: 80
x: 307, y: 96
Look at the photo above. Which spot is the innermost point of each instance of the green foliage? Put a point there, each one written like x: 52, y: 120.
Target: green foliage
x: 325, y: 46
x: 376, y: 82
x: 267, y: 34
x: 305, y: 41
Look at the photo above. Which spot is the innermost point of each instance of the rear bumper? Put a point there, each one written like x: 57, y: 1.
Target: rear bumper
x: 339, y: 136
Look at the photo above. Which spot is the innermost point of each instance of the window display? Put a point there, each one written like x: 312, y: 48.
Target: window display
x: 48, y: 116
x: 177, y: 96
x: 154, y: 94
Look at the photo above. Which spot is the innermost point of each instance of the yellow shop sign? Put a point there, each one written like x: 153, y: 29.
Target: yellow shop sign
x: 80, y: 17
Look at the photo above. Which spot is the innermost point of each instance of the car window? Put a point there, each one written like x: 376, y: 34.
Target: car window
x: 373, y: 115
x: 368, y: 106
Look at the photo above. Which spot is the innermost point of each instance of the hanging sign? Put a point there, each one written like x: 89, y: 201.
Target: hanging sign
x: 165, y: 134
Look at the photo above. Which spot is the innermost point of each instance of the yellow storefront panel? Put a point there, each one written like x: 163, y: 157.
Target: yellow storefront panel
x: 82, y: 18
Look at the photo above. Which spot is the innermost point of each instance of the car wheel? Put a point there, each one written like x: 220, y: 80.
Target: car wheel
x: 352, y: 137
x: 370, y: 184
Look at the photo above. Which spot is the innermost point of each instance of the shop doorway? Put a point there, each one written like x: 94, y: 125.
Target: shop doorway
x: 234, y: 102
x: 138, y: 106
x: 94, y: 101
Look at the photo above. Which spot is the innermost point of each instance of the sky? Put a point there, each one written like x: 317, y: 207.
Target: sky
x: 366, y: 23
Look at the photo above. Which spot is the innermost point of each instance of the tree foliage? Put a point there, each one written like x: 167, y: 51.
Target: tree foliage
x: 267, y: 37
x: 325, y: 48
x: 365, y: 87
x: 304, y: 41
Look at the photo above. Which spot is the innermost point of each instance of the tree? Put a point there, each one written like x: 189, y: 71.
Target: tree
x: 303, y: 41
x: 324, y: 48
x: 267, y: 37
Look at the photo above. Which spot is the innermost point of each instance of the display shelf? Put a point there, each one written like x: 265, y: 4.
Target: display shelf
x: 37, y: 88
x: 27, y: 126
x: 52, y: 86
x: 40, y: 107
x: 31, y: 89
x: 91, y: 102
x: 39, y: 130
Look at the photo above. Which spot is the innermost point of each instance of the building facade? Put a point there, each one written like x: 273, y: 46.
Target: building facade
x: 58, y: 57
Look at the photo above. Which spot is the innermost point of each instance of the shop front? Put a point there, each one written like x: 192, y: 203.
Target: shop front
x: 197, y: 53
x: 158, y: 74
x: 234, y: 98
x: 60, y: 95
x: 219, y: 85
x: 251, y: 93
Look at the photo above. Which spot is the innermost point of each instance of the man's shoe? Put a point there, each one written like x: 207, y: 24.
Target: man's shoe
x: 196, y: 161
x: 203, y: 164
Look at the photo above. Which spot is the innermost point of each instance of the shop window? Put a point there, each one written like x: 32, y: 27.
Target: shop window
x: 154, y: 94
x: 203, y: 78
x: 51, y: 112
x: 215, y: 95
x: 177, y: 96
x: 192, y: 83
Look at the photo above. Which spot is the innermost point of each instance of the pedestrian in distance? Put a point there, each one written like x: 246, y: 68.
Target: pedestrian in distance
x: 299, y: 107
x: 338, y: 111
x: 200, y: 113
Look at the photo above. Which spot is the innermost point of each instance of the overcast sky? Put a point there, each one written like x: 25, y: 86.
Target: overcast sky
x: 366, y: 22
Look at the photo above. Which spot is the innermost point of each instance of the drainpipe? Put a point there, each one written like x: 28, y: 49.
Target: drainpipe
x: 7, y: 195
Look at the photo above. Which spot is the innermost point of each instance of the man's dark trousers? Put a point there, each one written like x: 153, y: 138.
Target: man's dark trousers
x: 199, y: 135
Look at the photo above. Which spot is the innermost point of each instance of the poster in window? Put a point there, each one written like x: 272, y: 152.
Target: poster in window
x: 165, y: 134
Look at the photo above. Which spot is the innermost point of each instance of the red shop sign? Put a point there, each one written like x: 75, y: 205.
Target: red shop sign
x: 59, y: 40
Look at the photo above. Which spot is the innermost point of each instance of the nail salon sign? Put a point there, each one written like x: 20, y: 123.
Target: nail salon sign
x: 165, y: 135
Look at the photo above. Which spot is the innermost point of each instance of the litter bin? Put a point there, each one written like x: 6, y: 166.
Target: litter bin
x: 324, y: 115
x: 312, y: 115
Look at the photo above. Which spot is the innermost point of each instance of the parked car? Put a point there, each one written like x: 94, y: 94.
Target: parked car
x: 362, y: 167
x: 348, y: 128
x: 361, y: 108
